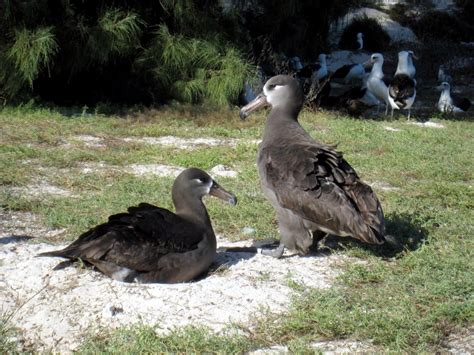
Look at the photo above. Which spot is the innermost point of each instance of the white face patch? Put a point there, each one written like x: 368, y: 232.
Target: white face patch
x: 206, y: 186
x: 270, y: 94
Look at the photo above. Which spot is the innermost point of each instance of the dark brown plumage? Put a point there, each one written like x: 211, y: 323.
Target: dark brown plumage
x: 310, y: 185
x: 152, y: 244
x: 401, y: 89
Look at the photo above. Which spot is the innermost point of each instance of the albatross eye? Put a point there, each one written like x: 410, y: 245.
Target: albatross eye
x: 271, y: 86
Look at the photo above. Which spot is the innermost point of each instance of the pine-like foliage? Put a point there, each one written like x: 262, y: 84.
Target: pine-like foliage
x: 116, y: 33
x: 32, y: 50
x: 86, y: 51
x: 195, y: 70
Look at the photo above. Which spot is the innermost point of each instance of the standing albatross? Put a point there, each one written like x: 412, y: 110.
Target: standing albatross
x: 402, y: 88
x: 377, y: 84
x: 310, y: 185
x: 152, y: 244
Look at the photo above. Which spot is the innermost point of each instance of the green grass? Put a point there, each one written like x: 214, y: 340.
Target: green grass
x: 142, y: 339
x: 404, y: 301
x: 7, y: 346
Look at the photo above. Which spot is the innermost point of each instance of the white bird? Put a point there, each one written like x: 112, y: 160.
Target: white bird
x: 451, y: 103
x: 375, y: 83
x: 405, y: 63
x: 296, y: 63
x: 321, y: 70
x: 402, y: 89
x: 368, y: 98
x: 360, y: 41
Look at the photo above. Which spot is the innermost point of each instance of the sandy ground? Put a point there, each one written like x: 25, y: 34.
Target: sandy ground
x: 56, y: 309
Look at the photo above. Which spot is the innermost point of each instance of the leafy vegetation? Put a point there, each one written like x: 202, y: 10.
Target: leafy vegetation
x: 188, y: 340
x: 150, y: 52
x: 6, y: 345
x: 406, y: 301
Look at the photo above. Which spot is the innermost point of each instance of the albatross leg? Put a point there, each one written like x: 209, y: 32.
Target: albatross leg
x: 276, y: 253
x: 409, y: 113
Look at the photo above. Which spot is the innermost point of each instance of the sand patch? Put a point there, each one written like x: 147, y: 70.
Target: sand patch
x: 189, y: 143
x: 428, y: 124
x: 161, y: 170
x: 40, y: 189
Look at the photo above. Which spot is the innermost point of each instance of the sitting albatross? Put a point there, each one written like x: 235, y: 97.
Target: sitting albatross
x: 152, y: 244
x: 310, y: 185
x: 451, y: 103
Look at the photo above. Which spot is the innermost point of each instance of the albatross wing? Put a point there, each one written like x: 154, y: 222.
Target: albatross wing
x: 316, y: 183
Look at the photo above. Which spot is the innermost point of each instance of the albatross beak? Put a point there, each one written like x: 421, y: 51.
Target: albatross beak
x: 219, y: 192
x: 255, y: 104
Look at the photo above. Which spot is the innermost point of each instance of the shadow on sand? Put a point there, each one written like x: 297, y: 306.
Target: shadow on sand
x: 13, y: 239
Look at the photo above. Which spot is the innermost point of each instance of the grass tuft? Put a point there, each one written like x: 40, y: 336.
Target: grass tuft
x: 187, y: 340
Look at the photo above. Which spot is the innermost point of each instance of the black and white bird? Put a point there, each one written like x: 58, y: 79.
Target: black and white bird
x: 376, y: 82
x: 352, y: 74
x: 451, y: 103
x: 402, y: 88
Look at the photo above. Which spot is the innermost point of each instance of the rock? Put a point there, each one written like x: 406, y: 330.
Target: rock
x: 222, y: 170
x: 248, y: 230
x: 397, y: 32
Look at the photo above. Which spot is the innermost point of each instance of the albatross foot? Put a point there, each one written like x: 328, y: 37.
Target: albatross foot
x: 276, y: 253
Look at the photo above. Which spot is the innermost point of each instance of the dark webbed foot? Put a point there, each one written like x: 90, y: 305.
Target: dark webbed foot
x: 276, y: 253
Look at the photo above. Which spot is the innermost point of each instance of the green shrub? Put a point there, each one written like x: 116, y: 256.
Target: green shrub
x: 195, y: 70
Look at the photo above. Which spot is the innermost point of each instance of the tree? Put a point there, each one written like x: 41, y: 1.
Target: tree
x: 85, y: 51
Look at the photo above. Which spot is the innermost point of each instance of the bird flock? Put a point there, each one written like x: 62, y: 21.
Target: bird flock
x: 357, y: 87
x: 314, y: 191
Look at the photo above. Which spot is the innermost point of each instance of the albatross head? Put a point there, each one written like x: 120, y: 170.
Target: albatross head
x: 281, y: 91
x: 195, y: 183
x: 376, y: 58
x: 444, y: 86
